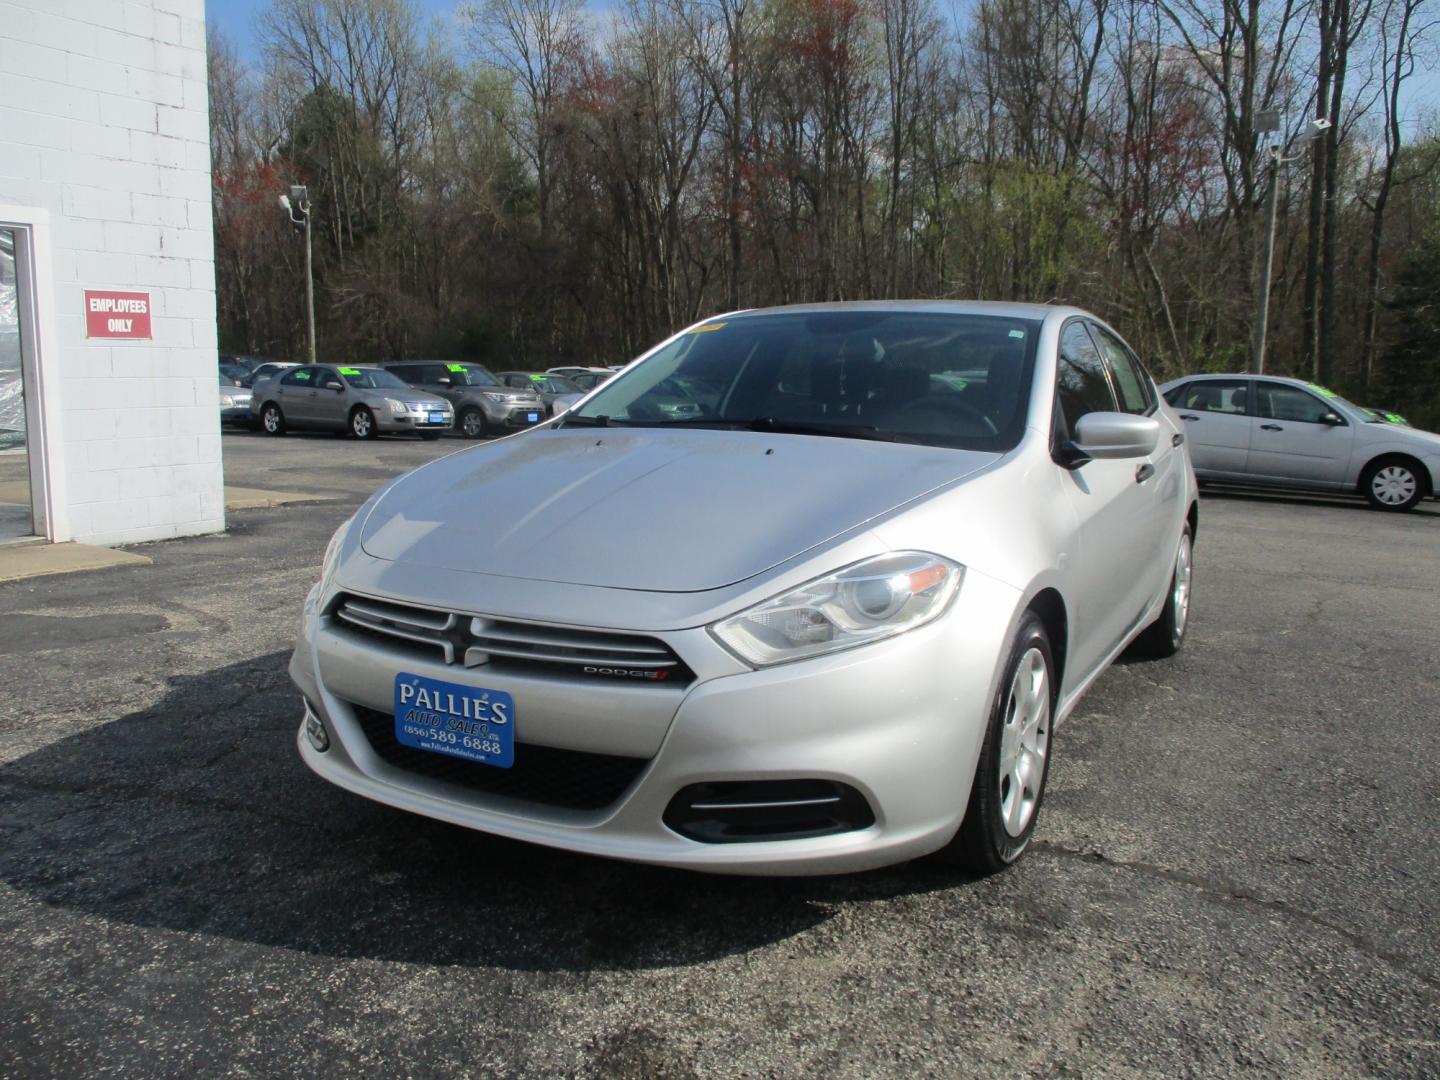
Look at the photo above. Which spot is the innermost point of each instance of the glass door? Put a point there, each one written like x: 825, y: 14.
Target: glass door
x: 15, y: 506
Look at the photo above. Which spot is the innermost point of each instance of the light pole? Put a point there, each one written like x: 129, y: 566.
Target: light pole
x: 1266, y: 121
x: 297, y: 205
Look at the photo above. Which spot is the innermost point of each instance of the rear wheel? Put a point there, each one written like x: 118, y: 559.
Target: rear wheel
x: 362, y: 423
x: 1166, y: 634
x: 1014, y: 763
x: 272, y: 420
x: 1393, y: 484
x: 472, y: 424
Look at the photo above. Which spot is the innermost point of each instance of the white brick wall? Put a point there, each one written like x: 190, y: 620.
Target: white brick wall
x: 103, y: 122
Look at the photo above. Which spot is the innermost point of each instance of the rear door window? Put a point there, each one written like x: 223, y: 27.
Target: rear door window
x: 1132, y: 385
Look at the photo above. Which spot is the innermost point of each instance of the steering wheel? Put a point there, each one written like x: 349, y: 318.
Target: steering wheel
x: 953, y: 414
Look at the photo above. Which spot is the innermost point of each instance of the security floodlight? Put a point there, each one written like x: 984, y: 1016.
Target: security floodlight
x: 284, y: 202
x: 1320, y: 125
x: 1267, y: 120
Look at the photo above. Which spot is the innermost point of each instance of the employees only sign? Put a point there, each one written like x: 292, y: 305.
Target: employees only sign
x: 110, y: 314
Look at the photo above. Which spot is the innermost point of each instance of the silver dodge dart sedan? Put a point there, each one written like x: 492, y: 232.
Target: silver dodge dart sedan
x: 826, y: 620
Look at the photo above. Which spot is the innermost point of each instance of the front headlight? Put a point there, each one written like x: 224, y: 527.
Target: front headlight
x: 871, y: 600
x: 500, y: 398
x: 332, y: 555
x: 226, y: 401
x: 397, y: 406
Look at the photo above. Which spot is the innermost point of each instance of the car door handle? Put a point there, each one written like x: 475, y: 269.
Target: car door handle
x: 1187, y: 416
x: 1271, y: 427
x: 1144, y: 472
x: 1177, y: 439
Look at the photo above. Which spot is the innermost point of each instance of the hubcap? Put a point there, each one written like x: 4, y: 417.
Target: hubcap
x: 1024, y: 741
x: 1180, y: 591
x: 1394, y: 485
x: 272, y: 420
x: 473, y: 425
x: 361, y: 424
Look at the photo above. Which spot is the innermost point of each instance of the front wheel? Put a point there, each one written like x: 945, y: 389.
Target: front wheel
x: 472, y: 424
x: 272, y: 420
x: 1393, y: 484
x: 362, y: 423
x: 1014, y: 763
x: 1166, y: 634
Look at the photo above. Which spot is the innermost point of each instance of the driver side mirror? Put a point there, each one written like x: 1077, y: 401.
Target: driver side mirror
x: 443, y: 380
x: 1334, y: 419
x: 1116, y: 435
x: 333, y: 385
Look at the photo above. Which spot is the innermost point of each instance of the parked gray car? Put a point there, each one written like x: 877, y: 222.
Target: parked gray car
x: 558, y: 392
x: 365, y: 401
x: 1270, y: 431
x: 827, y: 622
x: 483, y: 405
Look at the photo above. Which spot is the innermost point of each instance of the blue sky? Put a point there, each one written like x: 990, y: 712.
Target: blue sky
x: 237, y: 18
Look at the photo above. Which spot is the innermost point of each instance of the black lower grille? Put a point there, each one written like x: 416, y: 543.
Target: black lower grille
x: 752, y: 811
x: 572, y: 779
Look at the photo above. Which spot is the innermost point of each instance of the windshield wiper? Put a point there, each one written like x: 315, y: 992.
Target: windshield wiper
x: 584, y: 421
x: 807, y: 427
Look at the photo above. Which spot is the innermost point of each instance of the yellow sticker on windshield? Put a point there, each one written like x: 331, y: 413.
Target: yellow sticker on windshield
x: 455, y: 367
x: 706, y: 328
x: 349, y: 371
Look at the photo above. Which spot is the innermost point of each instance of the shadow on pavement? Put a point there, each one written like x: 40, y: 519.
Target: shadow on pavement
x: 198, y: 816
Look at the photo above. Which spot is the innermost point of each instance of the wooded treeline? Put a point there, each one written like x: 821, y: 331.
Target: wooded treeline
x: 530, y: 182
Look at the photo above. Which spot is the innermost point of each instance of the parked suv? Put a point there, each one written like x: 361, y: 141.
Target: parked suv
x: 483, y: 406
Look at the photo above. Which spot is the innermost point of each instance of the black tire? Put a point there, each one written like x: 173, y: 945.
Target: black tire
x: 1166, y: 634
x: 472, y: 423
x: 272, y: 420
x: 1396, y: 484
x: 984, y: 841
x: 362, y: 423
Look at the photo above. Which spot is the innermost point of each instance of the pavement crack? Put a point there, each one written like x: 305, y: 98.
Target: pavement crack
x: 1234, y: 894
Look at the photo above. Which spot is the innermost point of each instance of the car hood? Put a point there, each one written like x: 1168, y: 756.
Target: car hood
x: 667, y: 511
x: 410, y: 397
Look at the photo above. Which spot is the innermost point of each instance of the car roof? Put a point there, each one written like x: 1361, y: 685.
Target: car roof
x: 1003, y: 308
x: 1211, y: 376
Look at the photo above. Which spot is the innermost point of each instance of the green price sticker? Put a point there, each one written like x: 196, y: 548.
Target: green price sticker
x: 302, y: 376
x: 349, y: 371
x: 538, y: 378
x: 1322, y: 391
x: 455, y: 367
x: 1396, y: 418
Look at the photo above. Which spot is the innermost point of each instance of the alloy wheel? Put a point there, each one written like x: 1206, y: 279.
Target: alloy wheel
x: 1180, y: 589
x: 1024, y: 741
x: 360, y: 424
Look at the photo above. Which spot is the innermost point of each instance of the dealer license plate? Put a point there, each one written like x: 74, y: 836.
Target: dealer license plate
x: 448, y: 718
x: 437, y: 417
x: 533, y: 417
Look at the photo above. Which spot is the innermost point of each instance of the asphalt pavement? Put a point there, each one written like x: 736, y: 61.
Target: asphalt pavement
x: 1236, y: 870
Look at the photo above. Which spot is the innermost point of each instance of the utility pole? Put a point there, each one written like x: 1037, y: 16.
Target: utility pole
x: 1266, y: 121
x: 297, y: 205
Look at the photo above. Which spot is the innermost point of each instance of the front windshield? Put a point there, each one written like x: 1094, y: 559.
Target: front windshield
x: 954, y: 380
x: 557, y: 384
x: 470, y: 375
x: 371, y: 379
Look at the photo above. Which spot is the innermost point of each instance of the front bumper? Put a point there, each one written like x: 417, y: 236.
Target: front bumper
x: 900, y: 721
x: 391, y: 422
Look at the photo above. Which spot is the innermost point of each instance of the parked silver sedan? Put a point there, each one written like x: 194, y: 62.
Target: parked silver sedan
x: 828, y: 621
x: 234, y: 403
x: 365, y: 401
x: 1269, y: 431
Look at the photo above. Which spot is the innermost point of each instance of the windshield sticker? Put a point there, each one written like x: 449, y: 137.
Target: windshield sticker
x: 537, y: 378
x: 1395, y: 418
x: 349, y: 371
x: 302, y: 376
x: 455, y: 367
x: 707, y: 328
x: 1321, y: 390
x: 1019, y: 334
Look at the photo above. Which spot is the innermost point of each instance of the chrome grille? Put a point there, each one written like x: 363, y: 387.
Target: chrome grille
x: 473, y: 641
